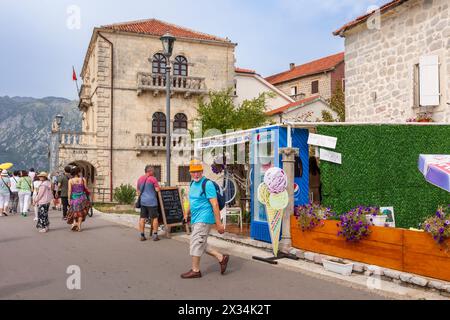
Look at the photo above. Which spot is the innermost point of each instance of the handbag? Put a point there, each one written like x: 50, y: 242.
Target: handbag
x: 138, y: 202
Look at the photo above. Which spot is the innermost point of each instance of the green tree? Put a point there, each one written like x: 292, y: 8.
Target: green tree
x: 220, y: 112
x: 337, y: 103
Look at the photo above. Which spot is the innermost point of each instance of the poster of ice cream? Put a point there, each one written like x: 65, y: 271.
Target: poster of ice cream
x: 272, y: 193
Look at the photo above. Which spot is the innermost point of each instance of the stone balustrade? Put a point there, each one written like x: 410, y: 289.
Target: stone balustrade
x: 157, y: 142
x: 156, y: 83
x: 77, y: 139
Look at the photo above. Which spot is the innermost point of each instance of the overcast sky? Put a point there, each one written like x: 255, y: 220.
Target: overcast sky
x: 38, y: 48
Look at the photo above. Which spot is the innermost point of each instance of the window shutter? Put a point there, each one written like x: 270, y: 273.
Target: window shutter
x: 429, y: 81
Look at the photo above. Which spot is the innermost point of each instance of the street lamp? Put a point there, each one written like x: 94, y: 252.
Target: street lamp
x: 168, y: 42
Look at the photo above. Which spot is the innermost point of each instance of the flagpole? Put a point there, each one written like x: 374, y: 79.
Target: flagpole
x: 75, y: 78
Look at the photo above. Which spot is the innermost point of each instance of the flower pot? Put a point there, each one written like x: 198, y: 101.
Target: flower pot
x: 345, y: 269
x: 378, y: 221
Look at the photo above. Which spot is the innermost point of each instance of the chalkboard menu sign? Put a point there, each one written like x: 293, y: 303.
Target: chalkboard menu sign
x: 171, y: 208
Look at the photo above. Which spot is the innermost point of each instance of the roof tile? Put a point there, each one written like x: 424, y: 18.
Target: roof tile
x: 159, y: 28
x: 309, y: 68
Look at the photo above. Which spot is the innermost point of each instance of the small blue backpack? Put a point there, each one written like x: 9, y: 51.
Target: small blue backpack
x: 219, y: 192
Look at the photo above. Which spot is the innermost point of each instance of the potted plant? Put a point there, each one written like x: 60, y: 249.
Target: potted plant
x: 354, y: 225
x: 311, y: 215
x: 422, y: 117
x: 439, y: 225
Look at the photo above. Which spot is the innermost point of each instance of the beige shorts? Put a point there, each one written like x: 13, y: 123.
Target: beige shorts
x: 199, y: 239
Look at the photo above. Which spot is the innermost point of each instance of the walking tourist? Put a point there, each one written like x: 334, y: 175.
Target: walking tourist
x: 42, y: 200
x: 63, y: 187
x: 55, y: 191
x: 14, y: 201
x: 5, y: 191
x: 205, y: 212
x: 36, y: 184
x: 79, y: 203
x: 147, y: 188
x: 24, y: 186
x: 32, y: 174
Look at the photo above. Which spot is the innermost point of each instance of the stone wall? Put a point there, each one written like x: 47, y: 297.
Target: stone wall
x: 304, y: 85
x: 380, y: 63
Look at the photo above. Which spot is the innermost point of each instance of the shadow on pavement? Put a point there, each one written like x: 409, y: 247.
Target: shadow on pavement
x: 7, y: 291
x: 13, y: 239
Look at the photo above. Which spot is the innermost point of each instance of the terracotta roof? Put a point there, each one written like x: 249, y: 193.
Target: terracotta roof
x: 384, y: 8
x: 159, y: 28
x: 294, y: 104
x: 240, y: 70
x: 310, y: 68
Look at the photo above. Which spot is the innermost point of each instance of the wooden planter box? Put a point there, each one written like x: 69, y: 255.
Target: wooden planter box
x: 399, y: 249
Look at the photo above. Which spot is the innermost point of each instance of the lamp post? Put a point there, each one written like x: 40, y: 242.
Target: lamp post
x: 168, y: 42
x: 55, y: 142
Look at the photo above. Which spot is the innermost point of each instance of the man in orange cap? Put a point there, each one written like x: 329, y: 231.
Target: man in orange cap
x: 205, y: 212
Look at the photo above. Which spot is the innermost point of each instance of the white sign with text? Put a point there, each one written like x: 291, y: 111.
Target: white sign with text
x: 330, y: 156
x: 322, y: 141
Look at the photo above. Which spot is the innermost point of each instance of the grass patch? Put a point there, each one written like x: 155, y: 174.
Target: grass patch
x: 108, y: 208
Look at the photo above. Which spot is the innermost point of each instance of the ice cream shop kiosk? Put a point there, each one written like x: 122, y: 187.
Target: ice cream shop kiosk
x: 265, y: 145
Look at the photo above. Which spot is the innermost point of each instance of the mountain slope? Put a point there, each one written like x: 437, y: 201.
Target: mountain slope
x: 25, y: 128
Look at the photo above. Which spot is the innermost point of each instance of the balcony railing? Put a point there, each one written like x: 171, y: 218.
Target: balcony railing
x: 75, y: 139
x: 157, y: 142
x: 179, y: 84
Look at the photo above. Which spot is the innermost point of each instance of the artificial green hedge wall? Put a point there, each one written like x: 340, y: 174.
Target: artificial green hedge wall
x: 380, y: 168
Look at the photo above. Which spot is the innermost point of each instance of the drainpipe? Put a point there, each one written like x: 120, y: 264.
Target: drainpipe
x: 112, y: 118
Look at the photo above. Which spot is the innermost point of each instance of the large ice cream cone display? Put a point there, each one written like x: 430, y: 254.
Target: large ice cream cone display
x: 273, y: 194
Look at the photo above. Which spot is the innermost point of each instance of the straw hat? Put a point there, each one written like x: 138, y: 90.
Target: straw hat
x: 4, y: 173
x: 43, y: 174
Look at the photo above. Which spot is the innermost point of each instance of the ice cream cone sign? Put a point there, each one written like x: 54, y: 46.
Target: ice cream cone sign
x: 273, y: 195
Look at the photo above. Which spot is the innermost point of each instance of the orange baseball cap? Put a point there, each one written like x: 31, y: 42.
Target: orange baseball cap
x: 195, y: 166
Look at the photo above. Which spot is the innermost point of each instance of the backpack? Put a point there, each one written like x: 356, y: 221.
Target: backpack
x: 219, y: 193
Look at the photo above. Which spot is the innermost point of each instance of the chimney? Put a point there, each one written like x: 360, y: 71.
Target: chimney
x: 291, y: 66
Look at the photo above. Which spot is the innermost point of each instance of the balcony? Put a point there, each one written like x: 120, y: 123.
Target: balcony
x: 156, y: 83
x: 157, y: 142
x: 77, y: 139
x: 85, y: 98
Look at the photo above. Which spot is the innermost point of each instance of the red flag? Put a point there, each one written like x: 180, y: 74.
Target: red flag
x: 74, y: 75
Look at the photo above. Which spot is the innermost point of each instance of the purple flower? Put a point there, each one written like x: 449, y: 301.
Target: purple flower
x: 441, y: 230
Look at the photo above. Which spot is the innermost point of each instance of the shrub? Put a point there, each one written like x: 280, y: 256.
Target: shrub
x: 354, y: 225
x: 311, y: 216
x: 125, y: 194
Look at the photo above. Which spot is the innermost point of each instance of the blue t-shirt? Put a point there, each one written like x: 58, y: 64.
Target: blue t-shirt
x: 201, y: 209
x: 149, y: 197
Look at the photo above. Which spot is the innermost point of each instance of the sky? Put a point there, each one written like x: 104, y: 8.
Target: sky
x: 40, y: 41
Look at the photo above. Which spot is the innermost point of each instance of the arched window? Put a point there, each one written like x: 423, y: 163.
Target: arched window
x: 180, y: 66
x: 159, y: 123
x: 159, y: 63
x: 180, y: 122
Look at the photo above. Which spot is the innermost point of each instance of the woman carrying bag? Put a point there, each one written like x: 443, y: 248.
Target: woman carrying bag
x: 42, y: 201
x: 5, y: 192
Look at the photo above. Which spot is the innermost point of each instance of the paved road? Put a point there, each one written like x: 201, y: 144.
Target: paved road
x: 115, y: 265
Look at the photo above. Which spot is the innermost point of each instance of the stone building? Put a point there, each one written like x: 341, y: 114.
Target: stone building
x: 123, y: 100
x: 319, y: 77
x: 397, y: 62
